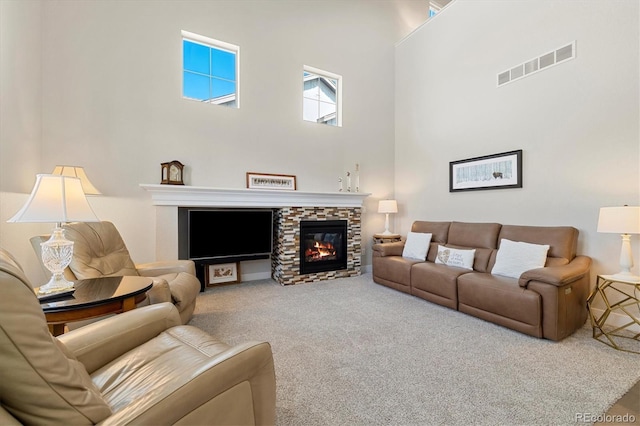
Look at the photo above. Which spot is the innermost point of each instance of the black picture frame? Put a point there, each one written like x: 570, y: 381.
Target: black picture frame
x: 496, y: 171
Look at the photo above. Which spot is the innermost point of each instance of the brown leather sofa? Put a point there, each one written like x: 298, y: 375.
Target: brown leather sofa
x: 100, y: 251
x: 547, y: 302
x: 139, y: 367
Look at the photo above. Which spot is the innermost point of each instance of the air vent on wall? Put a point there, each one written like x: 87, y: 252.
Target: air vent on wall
x: 540, y: 63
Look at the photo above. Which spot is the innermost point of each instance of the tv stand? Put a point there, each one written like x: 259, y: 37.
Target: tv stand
x: 201, y: 264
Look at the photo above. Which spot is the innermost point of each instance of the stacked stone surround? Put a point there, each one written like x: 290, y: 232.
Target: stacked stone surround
x: 285, y: 260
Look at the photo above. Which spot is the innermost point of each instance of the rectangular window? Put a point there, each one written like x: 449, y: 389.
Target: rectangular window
x: 210, y: 70
x: 321, y: 96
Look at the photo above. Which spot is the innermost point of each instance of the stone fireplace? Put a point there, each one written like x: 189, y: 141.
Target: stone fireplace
x: 289, y: 242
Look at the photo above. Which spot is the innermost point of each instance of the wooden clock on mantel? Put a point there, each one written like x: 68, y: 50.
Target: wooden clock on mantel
x: 172, y: 173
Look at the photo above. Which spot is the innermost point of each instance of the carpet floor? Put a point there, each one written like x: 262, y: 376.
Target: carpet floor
x: 352, y: 352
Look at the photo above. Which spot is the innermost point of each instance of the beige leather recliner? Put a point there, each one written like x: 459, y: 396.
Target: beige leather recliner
x: 139, y: 367
x: 100, y: 251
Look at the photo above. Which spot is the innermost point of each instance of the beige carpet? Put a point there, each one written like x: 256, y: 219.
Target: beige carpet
x: 352, y: 352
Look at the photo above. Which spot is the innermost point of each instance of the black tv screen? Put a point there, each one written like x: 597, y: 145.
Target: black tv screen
x: 224, y: 233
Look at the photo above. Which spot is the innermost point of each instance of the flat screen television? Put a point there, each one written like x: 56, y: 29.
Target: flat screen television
x: 241, y: 234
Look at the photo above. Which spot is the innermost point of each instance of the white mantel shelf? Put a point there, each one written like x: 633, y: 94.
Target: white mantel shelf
x: 202, y: 196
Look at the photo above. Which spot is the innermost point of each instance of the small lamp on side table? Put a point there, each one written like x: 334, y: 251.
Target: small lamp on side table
x: 624, y: 220
x: 56, y: 199
x: 386, y: 207
x: 77, y: 171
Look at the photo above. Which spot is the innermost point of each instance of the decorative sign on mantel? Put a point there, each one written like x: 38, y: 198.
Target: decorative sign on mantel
x: 201, y: 196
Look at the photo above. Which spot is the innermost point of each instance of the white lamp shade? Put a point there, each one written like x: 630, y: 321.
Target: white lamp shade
x: 619, y: 220
x: 387, y: 206
x: 56, y: 199
x: 77, y: 171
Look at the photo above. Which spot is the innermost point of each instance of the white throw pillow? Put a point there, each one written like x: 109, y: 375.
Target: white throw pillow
x: 417, y: 245
x: 515, y: 257
x: 455, y: 257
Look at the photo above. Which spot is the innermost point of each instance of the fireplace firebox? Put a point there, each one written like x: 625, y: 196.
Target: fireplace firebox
x: 323, y: 245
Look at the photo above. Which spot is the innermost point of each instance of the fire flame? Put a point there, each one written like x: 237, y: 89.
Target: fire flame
x: 320, y: 251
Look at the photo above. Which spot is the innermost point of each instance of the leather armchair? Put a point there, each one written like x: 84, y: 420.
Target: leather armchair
x: 139, y: 367
x: 100, y: 251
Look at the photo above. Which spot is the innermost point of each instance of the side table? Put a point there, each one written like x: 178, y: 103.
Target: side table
x: 381, y: 238
x: 95, y: 297
x: 620, y: 296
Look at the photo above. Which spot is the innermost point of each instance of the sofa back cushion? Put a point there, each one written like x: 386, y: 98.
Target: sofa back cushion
x: 562, y: 240
x: 480, y: 236
x: 40, y: 382
x: 484, y: 235
x: 438, y: 230
x: 98, y: 250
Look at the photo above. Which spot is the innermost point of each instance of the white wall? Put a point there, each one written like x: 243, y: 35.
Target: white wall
x: 577, y: 123
x: 20, y: 121
x: 111, y: 99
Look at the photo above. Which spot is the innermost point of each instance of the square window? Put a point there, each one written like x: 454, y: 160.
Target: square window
x: 210, y: 70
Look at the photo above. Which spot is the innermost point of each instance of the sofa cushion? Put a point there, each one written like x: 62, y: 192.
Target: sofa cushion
x: 515, y: 257
x: 173, y: 359
x: 562, y: 240
x: 501, y: 296
x: 393, y: 269
x: 455, y: 257
x: 416, y: 245
x: 436, y: 283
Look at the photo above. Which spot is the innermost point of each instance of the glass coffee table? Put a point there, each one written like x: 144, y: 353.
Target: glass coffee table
x: 94, y: 298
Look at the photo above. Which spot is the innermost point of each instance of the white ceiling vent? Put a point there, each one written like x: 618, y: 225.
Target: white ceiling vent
x: 540, y: 63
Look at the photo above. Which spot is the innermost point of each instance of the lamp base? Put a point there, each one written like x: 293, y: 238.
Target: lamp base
x: 57, y: 253
x: 386, y: 232
x: 57, y: 284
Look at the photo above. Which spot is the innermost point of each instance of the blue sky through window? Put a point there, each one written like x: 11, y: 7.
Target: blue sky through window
x: 209, y: 73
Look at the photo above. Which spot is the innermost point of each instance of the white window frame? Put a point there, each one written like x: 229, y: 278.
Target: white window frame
x: 216, y: 44
x: 333, y: 76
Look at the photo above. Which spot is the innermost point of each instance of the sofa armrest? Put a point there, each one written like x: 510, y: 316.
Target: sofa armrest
x: 98, y: 343
x: 233, y: 387
x: 388, y: 249
x: 558, y: 275
x: 159, y: 292
x: 154, y: 269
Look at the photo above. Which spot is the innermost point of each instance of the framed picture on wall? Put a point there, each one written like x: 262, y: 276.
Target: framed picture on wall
x: 224, y: 273
x: 270, y: 181
x: 496, y: 171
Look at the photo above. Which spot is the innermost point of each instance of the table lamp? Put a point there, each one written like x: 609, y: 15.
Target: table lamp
x: 77, y: 171
x: 56, y: 199
x: 623, y: 220
x: 386, y: 207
